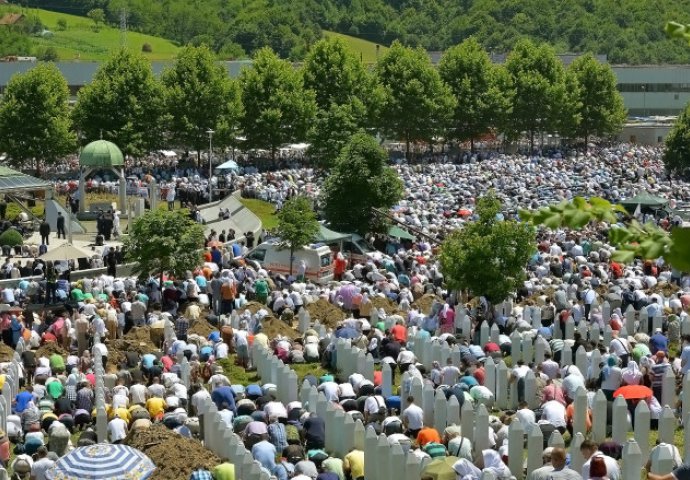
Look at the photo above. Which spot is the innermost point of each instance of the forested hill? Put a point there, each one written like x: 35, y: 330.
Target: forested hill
x: 628, y: 31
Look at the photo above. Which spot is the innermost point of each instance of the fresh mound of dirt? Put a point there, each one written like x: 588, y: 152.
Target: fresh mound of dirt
x: 51, y: 348
x: 175, y: 456
x: 425, y: 302
x: 325, y: 313
x: 254, y: 307
x: 6, y: 353
x: 202, y: 328
x: 137, y: 340
x: 664, y: 288
x: 386, y: 303
x: 273, y: 327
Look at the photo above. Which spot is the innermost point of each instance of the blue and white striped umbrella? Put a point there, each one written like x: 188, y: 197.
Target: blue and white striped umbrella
x: 102, y: 461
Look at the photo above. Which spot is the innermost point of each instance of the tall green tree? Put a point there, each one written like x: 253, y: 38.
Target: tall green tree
x: 343, y: 90
x: 677, y: 154
x: 488, y: 256
x: 200, y: 96
x: 277, y: 107
x: 417, y: 104
x: 476, y: 85
x: 359, y: 181
x: 541, y: 101
x: 34, y: 118
x: 601, y: 111
x: 335, y: 74
x: 123, y: 104
x: 297, y: 225
x: 162, y: 241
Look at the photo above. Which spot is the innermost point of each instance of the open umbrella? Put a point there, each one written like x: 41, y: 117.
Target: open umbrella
x: 633, y: 392
x: 215, y: 243
x: 102, y: 461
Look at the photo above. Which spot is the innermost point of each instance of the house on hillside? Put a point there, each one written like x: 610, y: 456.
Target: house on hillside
x: 12, y: 19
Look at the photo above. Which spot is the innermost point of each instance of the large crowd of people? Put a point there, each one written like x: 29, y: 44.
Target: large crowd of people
x: 571, y: 275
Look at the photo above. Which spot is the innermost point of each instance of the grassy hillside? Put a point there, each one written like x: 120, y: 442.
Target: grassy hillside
x: 80, y: 42
x: 363, y: 48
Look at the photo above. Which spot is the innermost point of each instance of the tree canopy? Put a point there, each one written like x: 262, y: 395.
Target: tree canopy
x: 277, y: 107
x: 123, y: 104
x: 677, y: 154
x: 199, y: 96
x: 488, y: 256
x: 416, y: 103
x: 34, y: 118
x: 599, y: 106
x: 162, y: 241
x: 478, y: 87
x: 297, y: 224
x: 360, y: 180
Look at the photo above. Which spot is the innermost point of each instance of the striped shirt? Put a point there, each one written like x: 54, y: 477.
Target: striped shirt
x: 434, y: 450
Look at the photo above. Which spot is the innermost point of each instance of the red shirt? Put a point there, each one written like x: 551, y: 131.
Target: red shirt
x: 479, y: 374
x: 491, y: 347
x: 399, y: 333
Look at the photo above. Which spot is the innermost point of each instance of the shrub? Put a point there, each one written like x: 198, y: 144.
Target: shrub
x: 11, y: 237
x: 62, y: 24
x: 50, y: 54
x: 147, y: 48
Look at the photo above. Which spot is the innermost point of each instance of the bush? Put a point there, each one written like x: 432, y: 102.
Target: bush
x: 11, y: 237
x: 62, y: 24
x: 50, y: 54
x: 147, y: 48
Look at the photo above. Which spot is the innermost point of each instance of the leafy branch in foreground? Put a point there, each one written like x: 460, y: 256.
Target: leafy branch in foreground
x: 678, y: 30
x: 631, y: 240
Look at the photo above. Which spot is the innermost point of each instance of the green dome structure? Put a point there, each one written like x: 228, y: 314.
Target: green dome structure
x: 101, y: 154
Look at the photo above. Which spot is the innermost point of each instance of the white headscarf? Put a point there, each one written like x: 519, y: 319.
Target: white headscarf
x: 632, y: 373
x: 493, y: 463
x: 465, y: 470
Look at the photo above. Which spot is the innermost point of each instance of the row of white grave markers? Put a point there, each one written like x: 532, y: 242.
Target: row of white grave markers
x: 384, y: 460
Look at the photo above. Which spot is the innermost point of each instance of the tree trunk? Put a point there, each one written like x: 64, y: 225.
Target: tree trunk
x: 471, y: 144
x: 407, y: 150
x: 160, y: 282
x: 292, y: 251
x: 531, y: 141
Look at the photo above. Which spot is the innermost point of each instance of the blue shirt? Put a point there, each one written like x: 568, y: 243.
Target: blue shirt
x: 224, y: 395
x: 658, y: 342
x: 264, y: 452
x: 201, y: 281
x: 217, y: 256
x: 23, y: 399
x: 147, y: 360
x: 236, y: 250
x: 469, y: 380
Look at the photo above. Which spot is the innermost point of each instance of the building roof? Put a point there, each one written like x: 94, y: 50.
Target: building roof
x: 101, y: 154
x: 11, y: 18
x: 12, y: 180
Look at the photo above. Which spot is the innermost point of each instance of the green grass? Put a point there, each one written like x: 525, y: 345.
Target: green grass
x: 239, y: 375
x: 363, y: 48
x: 80, y: 42
x: 264, y: 210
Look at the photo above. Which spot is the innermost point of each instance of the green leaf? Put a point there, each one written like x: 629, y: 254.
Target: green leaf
x: 623, y: 256
x: 580, y: 219
x: 580, y: 203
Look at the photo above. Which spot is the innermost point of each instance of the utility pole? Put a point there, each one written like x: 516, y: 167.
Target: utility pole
x: 123, y: 27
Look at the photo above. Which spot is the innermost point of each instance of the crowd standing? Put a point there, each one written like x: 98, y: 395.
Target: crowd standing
x: 571, y: 275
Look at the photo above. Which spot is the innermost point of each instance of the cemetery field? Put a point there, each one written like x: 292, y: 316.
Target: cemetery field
x: 238, y: 374
x: 364, y: 49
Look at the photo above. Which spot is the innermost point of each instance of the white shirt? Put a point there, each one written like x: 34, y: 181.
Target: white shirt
x: 138, y: 393
x: 450, y: 374
x: 526, y: 417
x: 117, y: 429
x: 413, y: 415
x: 373, y: 403
x: 554, y: 413
x: 330, y: 391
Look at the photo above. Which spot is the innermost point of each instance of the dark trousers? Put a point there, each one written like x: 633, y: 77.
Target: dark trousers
x: 44, y: 239
x: 61, y: 231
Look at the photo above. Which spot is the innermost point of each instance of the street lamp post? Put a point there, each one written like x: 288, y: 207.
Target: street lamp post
x: 644, y: 101
x: 210, y: 164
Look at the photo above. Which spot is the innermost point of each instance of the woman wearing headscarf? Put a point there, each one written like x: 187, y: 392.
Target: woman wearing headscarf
x: 632, y: 375
x: 447, y: 319
x: 611, y: 377
x: 465, y: 470
x: 490, y: 460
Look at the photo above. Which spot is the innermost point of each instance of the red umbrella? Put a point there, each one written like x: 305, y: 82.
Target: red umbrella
x: 463, y: 212
x: 633, y: 392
